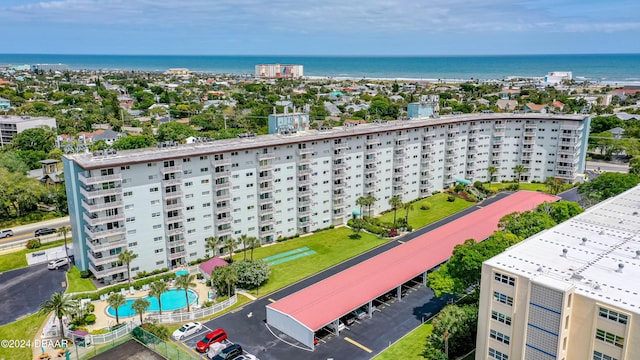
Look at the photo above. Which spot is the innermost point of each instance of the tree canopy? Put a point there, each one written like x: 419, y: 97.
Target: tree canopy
x: 607, y: 185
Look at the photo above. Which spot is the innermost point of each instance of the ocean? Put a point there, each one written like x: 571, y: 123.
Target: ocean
x: 605, y: 68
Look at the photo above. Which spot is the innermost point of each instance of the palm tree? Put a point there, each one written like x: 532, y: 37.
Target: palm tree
x: 115, y: 301
x: 140, y: 305
x: 407, y: 208
x: 230, y: 244
x: 213, y: 243
x: 228, y: 276
x: 371, y: 201
x: 64, y: 231
x: 395, y: 202
x: 126, y: 257
x: 244, y: 240
x: 361, y: 201
x: 156, y: 289
x: 253, y: 243
x: 492, y: 171
x: 553, y: 184
x: 518, y: 170
x: 185, y: 282
x: 61, y: 305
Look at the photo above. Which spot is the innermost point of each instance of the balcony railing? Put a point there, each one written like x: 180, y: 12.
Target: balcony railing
x: 176, y: 243
x: 305, y: 171
x: 97, y: 220
x: 572, y: 127
x: 266, y: 211
x: 171, y: 169
x: 106, y: 245
x: 262, y: 201
x: 91, y: 180
x: 305, y: 151
x: 269, y: 155
x: 173, y: 206
x: 93, y: 208
x: 99, y: 274
x: 220, y: 162
x: 222, y: 174
x: 267, y: 222
x: 170, y: 182
x: 92, y: 194
x: 306, y: 202
x: 304, y: 211
x: 372, y: 142
x: 174, y: 219
x: 222, y: 186
x: 97, y: 233
x: 223, y: 232
x: 172, y: 194
x: 102, y: 260
x: 177, y: 255
x: 266, y: 177
x: 175, y: 231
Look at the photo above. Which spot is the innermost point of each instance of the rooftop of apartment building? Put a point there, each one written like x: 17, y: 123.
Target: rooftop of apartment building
x: 14, y: 119
x: 88, y: 161
x: 596, y: 252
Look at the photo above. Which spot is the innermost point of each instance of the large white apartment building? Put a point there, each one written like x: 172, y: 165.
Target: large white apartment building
x: 12, y: 125
x: 164, y: 202
x: 570, y: 292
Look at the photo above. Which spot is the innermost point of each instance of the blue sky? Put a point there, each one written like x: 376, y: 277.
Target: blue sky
x: 320, y: 27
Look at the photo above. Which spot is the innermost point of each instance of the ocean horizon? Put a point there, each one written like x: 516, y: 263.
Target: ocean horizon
x: 604, y: 68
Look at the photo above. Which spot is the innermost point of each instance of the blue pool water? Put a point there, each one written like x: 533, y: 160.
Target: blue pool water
x: 173, y: 299
x: 182, y: 272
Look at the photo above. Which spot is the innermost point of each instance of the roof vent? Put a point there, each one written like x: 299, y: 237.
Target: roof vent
x: 635, y: 213
x: 621, y: 221
x: 564, y: 252
x: 637, y: 254
x: 597, y: 287
x: 620, y: 267
x: 540, y: 269
x: 584, y: 241
x: 601, y: 232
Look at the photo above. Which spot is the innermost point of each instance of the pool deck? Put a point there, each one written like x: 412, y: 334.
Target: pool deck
x: 103, y: 320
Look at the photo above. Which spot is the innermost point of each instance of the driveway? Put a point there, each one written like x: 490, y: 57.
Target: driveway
x: 23, y: 290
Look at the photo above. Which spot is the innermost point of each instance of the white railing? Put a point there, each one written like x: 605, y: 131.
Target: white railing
x: 180, y: 317
x: 113, y: 335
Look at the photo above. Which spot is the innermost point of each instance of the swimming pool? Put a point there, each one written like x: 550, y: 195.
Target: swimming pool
x: 173, y: 299
x: 182, y: 272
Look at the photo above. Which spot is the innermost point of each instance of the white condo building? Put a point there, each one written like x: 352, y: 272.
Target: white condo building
x: 570, y: 292
x: 12, y: 125
x: 163, y: 203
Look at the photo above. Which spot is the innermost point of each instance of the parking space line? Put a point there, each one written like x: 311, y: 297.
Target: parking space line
x: 401, y: 242
x: 270, y: 299
x: 358, y: 345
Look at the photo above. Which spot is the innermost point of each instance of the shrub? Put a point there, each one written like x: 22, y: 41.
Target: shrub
x: 85, y: 274
x: 409, y: 228
x: 90, y: 319
x: 33, y: 244
x: 251, y: 274
x: 435, y: 192
x: 100, y: 331
x: 90, y: 308
x: 331, y: 226
x: 478, y: 185
x: 158, y: 330
x: 513, y: 187
x: 451, y: 198
x: 207, y: 304
x: 425, y: 205
x: 459, y: 188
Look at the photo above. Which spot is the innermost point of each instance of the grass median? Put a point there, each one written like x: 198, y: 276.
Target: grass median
x: 440, y: 209
x: 18, y: 259
x: 410, y: 347
x: 77, y: 284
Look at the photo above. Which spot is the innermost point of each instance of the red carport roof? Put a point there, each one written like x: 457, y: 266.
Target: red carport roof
x: 327, y: 300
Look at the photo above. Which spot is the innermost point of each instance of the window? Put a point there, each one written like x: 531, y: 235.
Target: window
x: 613, y: 315
x: 153, y: 189
x: 127, y: 193
x: 495, y: 354
x: 499, y: 336
x: 504, y: 279
x: 157, y: 238
x: 205, y: 181
x: 188, y: 183
x: 597, y: 355
x: 204, y: 169
x: 157, y: 251
x: 610, y: 338
x: 155, y: 202
x: 501, y: 298
x: 157, y: 226
x: 155, y: 214
x: 206, y: 205
x: 131, y: 219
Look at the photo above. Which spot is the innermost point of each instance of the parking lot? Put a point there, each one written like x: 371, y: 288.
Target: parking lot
x: 189, y: 343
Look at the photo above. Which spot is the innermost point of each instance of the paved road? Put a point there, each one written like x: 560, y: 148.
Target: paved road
x: 22, y: 233
x: 608, y: 166
x: 247, y: 325
x: 23, y: 290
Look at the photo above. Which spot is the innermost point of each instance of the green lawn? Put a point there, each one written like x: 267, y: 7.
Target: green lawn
x: 77, y: 284
x: 24, y: 329
x: 440, y: 208
x: 523, y: 186
x: 331, y: 246
x: 17, y: 259
x: 410, y: 347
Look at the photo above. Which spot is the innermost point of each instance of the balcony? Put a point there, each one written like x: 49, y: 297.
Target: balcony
x: 267, y: 222
x: 223, y: 232
x: 305, y: 151
x: 572, y: 127
x: 303, y: 223
x: 171, y: 182
x: 174, y: 219
x: 340, y: 146
x: 99, y: 274
x: 565, y: 168
x: 222, y: 185
x: 97, y: 233
x: 177, y: 255
x: 304, y: 160
x: 171, y: 169
x: 222, y: 174
x: 338, y: 186
x: 429, y: 136
x: 339, y: 165
x: 397, y: 191
x: 176, y: 243
x: 305, y: 202
x: 97, y: 220
x: 97, y: 246
x: 265, y: 177
x: 267, y: 232
x: 528, y: 140
x: 224, y: 208
x: 402, y: 138
x: 372, y: 142
x: 451, y: 131
x: 369, y: 170
x: 92, y: 180
x: 221, y: 162
x: 266, y: 155
x: 265, y: 211
x: 175, y: 231
x: 338, y: 194
x: 527, y: 156
x: 263, y: 201
x: 304, y: 211
x: 93, y: 208
x: 369, y: 160
x: 96, y: 193
x: 475, y: 126
x: 101, y: 260
x: 305, y: 171
x: 304, y: 181
x: 172, y: 194
x: 450, y: 171
x: 174, y: 206
x: 497, y: 126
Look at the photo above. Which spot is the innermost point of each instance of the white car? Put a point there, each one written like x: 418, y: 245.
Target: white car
x: 187, y: 330
x: 215, y: 349
x: 55, y: 264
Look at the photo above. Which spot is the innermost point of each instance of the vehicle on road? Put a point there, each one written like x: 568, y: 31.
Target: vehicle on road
x: 187, y: 329
x: 230, y: 352
x: 6, y: 233
x: 58, y: 263
x: 45, y: 231
x: 217, y: 335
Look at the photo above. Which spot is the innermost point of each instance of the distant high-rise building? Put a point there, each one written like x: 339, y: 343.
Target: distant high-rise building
x: 428, y: 106
x: 50, y: 67
x: 164, y: 202
x: 11, y: 125
x: 279, y: 70
x: 288, y: 122
x: 570, y: 292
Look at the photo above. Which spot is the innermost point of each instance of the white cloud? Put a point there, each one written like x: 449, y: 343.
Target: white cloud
x: 312, y: 16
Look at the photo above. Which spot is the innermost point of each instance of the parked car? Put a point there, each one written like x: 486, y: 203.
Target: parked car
x: 58, y: 263
x: 45, y: 231
x: 6, y: 233
x: 215, y: 349
x: 246, y: 357
x: 348, y: 319
x: 217, y: 335
x: 332, y: 327
x: 187, y: 329
x: 230, y: 352
x: 359, y: 313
